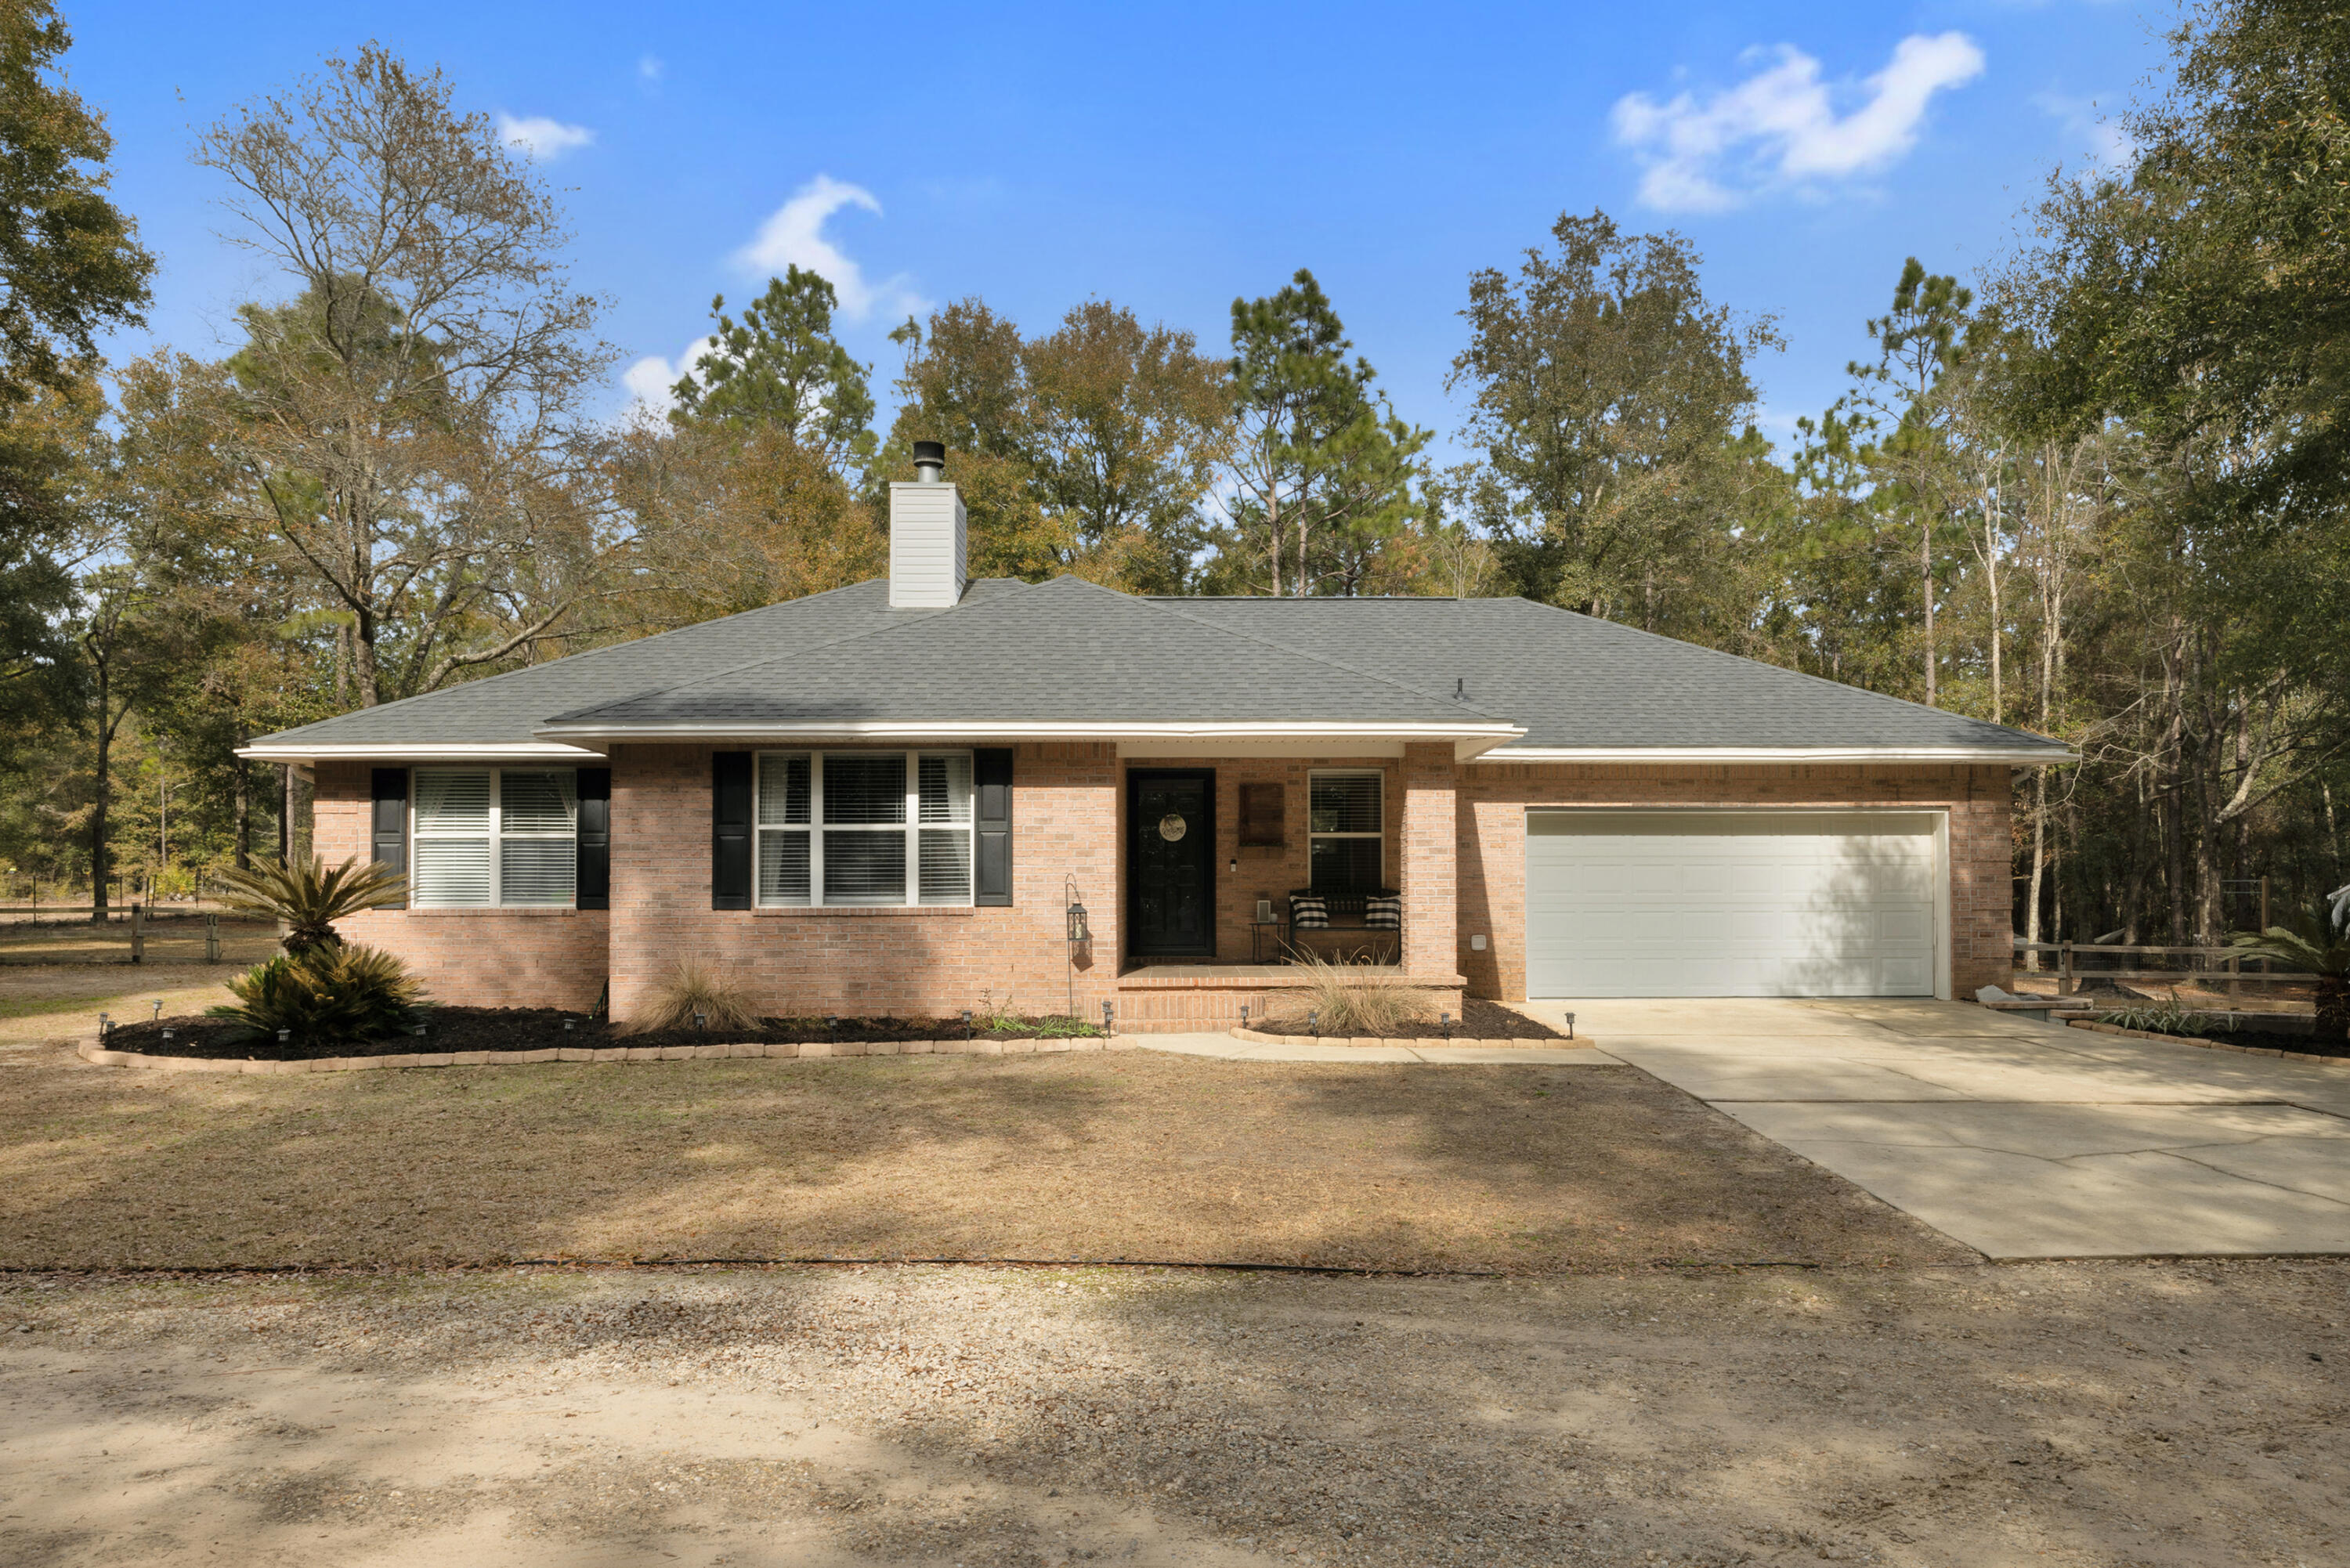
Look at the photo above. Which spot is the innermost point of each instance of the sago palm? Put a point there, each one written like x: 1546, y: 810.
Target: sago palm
x: 2319, y: 945
x: 309, y: 899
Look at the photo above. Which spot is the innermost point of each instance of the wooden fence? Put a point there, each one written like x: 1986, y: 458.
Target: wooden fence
x: 2077, y: 961
x: 136, y: 917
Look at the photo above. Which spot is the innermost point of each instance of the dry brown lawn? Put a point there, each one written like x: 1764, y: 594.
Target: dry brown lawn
x: 171, y: 938
x: 1139, y: 1156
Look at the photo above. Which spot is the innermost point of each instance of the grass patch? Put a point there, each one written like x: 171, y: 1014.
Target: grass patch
x: 1522, y: 1169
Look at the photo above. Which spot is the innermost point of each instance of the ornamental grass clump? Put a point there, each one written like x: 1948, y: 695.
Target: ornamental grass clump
x: 694, y: 988
x: 1351, y: 1000
x: 307, y: 899
x: 327, y: 995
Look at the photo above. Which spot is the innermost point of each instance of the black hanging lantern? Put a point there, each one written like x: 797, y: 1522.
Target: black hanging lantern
x: 1079, y: 930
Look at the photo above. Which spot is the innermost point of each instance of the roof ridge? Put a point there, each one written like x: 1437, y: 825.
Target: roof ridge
x: 1316, y: 657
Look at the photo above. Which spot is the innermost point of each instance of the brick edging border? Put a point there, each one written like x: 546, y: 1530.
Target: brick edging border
x: 1260, y: 1038
x: 89, y: 1051
x: 2091, y: 1023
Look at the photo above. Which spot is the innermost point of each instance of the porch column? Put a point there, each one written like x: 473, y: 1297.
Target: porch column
x: 1432, y: 904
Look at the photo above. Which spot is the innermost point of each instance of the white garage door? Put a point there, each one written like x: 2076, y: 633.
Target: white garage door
x: 1729, y: 904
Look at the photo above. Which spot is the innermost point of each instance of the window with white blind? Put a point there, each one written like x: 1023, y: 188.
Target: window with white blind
x: 505, y: 837
x: 864, y: 827
x: 1346, y: 832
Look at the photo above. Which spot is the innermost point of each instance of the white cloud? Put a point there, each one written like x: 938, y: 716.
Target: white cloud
x: 2108, y: 145
x: 651, y: 67
x: 543, y: 139
x: 650, y: 378
x: 794, y: 237
x: 1780, y: 125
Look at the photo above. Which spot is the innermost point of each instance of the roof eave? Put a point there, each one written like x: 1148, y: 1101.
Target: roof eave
x: 421, y: 751
x: 2013, y: 756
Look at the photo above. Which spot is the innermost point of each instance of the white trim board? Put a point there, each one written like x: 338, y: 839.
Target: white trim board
x: 413, y: 752
x: 2015, y: 756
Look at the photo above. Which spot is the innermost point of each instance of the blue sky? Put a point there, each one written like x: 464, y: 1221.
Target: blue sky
x: 1170, y: 158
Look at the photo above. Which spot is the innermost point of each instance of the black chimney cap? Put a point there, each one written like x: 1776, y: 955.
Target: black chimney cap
x: 931, y: 452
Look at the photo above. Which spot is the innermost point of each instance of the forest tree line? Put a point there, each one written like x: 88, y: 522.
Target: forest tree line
x: 2096, y: 492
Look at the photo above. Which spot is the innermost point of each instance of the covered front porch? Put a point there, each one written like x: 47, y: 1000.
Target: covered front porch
x: 1233, y: 868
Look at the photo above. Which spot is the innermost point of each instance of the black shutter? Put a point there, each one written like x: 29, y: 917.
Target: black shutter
x: 730, y: 830
x: 593, y: 888
x: 992, y: 774
x: 389, y: 790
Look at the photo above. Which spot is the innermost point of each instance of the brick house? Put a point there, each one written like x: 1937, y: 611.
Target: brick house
x: 886, y: 799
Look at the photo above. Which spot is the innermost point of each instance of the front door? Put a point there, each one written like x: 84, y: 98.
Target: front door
x: 1170, y: 864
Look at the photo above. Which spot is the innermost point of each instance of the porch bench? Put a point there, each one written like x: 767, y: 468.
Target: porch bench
x: 1348, y: 916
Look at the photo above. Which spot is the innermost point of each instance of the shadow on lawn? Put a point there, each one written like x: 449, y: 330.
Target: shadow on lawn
x: 1108, y: 1158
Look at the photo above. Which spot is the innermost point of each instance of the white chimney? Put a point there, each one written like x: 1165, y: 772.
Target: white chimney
x: 926, y: 535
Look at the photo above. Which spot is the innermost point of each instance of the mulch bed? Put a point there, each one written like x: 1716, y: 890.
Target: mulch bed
x: 538, y: 1029
x: 1479, y: 1020
x: 2275, y: 1040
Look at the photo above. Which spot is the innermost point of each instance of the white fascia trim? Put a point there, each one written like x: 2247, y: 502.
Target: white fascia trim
x: 894, y: 730
x: 410, y: 751
x: 2015, y: 756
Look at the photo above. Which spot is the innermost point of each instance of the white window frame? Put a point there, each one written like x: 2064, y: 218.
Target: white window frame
x: 1380, y: 834
x: 498, y: 837
x: 815, y: 828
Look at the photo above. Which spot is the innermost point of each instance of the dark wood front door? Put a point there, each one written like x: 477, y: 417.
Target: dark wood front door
x: 1170, y: 864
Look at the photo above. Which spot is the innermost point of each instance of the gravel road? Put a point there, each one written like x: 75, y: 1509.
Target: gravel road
x: 2071, y: 1414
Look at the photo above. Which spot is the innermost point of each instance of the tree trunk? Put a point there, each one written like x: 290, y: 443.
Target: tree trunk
x: 2039, y: 863
x: 244, y: 802
x: 1925, y: 582
x: 101, y: 797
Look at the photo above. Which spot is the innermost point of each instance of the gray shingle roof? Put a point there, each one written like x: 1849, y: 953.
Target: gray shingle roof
x: 1070, y: 652
x: 1574, y: 680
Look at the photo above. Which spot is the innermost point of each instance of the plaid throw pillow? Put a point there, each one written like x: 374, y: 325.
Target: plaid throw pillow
x: 1383, y: 912
x: 1308, y: 912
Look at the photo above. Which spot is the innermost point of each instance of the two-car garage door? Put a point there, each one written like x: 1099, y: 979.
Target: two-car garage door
x: 1719, y: 903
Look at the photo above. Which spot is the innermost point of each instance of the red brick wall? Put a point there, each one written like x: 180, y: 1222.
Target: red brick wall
x: 1432, y: 904
x: 1266, y: 872
x: 929, y: 962
x: 1492, y: 844
x: 468, y: 958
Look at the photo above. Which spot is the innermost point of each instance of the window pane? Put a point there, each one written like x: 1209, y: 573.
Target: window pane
x: 450, y: 800
x: 537, y: 801
x: 863, y: 868
x: 1346, y: 864
x: 783, y: 790
x: 1346, y: 802
x: 865, y: 786
x: 784, y: 867
x: 449, y: 873
x: 946, y: 866
x: 946, y: 788
x: 536, y: 870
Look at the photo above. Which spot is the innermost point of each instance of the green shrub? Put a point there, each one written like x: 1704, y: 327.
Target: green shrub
x: 327, y: 995
x: 2162, y: 1018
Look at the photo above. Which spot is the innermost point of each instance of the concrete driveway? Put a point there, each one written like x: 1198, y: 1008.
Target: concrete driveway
x: 2020, y: 1139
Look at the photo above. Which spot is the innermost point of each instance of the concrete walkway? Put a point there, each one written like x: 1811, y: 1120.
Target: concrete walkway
x: 2022, y: 1139
x: 1230, y: 1049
